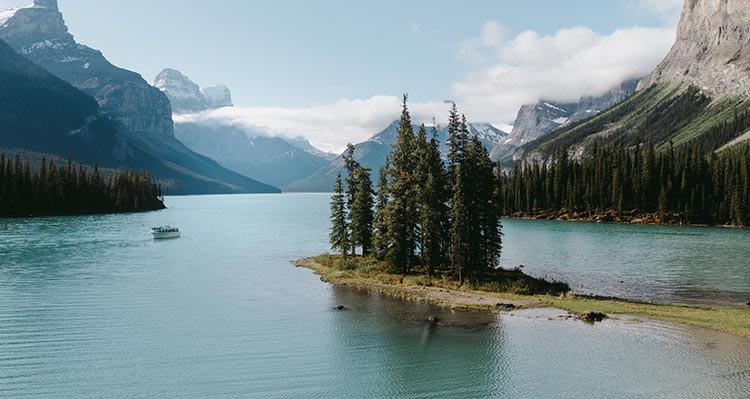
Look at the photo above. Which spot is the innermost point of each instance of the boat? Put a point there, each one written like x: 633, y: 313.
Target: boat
x: 162, y: 232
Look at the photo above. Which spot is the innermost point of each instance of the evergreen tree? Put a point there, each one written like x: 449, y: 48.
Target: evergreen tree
x: 380, y: 224
x: 402, y: 217
x: 339, y: 236
x: 361, y: 212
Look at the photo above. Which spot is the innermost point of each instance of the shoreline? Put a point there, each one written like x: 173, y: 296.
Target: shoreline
x: 724, y: 319
x: 629, y: 222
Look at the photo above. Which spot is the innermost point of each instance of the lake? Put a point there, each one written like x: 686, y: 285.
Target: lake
x: 92, y: 307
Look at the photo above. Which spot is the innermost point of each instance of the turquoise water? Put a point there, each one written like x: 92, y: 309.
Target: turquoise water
x: 91, y: 307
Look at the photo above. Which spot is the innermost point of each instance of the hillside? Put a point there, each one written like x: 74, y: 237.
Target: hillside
x: 699, y: 94
x: 136, y: 113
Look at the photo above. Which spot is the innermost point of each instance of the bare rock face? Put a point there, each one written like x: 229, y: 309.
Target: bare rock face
x: 217, y: 96
x: 183, y: 93
x: 712, y: 50
x: 38, y: 32
x: 544, y: 117
x: 187, y: 97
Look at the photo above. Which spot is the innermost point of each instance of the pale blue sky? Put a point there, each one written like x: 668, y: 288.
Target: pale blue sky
x: 296, y: 54
x: 302, y: 52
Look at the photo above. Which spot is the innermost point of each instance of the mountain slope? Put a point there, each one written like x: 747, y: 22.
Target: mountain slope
x: 37, y: 104
x: 40, y: 112
x: 699, y: 94
x: 537, y: 120
x: 373, y: 152
x: 271, y: 159
x: 139, y: 111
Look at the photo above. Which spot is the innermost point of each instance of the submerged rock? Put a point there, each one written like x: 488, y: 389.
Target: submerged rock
x: 591, y: 317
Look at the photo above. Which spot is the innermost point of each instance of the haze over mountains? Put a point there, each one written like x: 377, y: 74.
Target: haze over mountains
x: 141, y: 114
x: 274, y: 160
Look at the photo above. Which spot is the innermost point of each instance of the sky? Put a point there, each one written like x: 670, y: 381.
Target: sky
x: 334, y: 70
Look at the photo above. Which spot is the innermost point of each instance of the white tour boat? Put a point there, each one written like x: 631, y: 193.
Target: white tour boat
x: 165, y: 232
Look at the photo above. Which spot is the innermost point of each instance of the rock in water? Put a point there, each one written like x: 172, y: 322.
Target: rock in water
x: 591, y: 317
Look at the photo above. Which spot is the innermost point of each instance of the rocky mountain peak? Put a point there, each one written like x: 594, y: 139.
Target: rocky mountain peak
x: 183, y: 93
x: 38, y: 23
x: 187, y: 97
x: 48, y: 4
x: 38, y: 32
x: 712, y: 50
x: 217, y: 96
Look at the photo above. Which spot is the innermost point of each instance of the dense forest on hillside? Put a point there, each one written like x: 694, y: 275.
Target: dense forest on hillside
x: 48, y: 189
x: 619, y: 183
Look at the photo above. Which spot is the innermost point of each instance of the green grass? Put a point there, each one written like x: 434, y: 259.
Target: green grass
x: 515, y: 286
x: 730, y: 320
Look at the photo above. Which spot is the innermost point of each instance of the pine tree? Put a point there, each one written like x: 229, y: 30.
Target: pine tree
x: 361, y: 213
x: 433, y: 198
x: 402, y: 209
x: 380, y: 240
x: 339, y: 236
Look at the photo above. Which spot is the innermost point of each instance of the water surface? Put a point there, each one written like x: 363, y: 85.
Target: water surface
x: 91, y: 307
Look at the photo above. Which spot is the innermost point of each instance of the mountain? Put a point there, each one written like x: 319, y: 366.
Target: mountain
x: 711, y: 51
x: 537, y: 120
x: 187, y: 97
x: 304, y: 144
x: 58, y: 116
x: 274, y: 160
x: 373, y: 152
x: 217, y: 96
x: 699, y: 94
x: 43, y: 114
x: 140, y: 113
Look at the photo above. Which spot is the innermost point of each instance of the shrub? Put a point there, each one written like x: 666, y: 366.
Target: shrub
x: 345, y: 264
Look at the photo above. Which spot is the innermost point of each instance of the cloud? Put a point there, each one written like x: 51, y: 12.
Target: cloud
x: 507, y: 72
x: 571, y: 63
x: 329, y: 127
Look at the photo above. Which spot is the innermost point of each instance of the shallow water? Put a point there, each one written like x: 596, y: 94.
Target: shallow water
x: 92, y: 307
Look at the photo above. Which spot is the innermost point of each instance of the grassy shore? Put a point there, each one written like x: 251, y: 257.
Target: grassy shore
x: 514, y: 289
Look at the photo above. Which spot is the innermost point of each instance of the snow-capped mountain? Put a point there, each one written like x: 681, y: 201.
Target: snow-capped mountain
x: 373, y: 152
x: 141, y: 113
x: 538, y: 120
x: 304, y: 144
x: 187, y: 97
x: 217, y: 96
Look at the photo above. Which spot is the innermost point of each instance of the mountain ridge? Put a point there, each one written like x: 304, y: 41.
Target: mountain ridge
x: 372, y: 153
x: 140, y: 113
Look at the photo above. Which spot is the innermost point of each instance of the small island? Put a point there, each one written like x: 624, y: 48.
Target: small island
x: 46, y: 189
x: 432, y: 232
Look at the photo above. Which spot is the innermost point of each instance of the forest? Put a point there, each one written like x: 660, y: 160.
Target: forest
x: 426, y: 214
x: 619, y: 183
x: 46, y: 189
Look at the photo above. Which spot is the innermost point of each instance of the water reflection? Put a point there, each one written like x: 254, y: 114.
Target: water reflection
x: 413, y: 349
